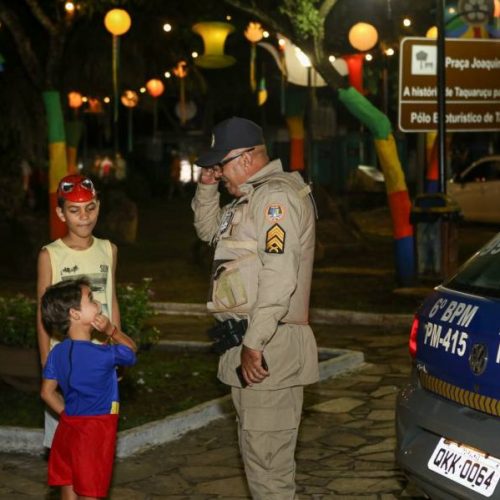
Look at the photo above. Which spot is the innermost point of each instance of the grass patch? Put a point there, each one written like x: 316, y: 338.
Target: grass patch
x: 160, y: 384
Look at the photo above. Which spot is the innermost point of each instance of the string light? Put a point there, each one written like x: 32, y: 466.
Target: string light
x: 265, y: 34
x: 368, y: 57
x: 406, y: 22
x: 331, y: 58
x: 142, y: 90
x: 167, y: 27
x: 228, y: 18
x: 69, y: 7
x: 194, y: 55
x: 389, y: 51
x: 167, y: 74
x: 107, y: 100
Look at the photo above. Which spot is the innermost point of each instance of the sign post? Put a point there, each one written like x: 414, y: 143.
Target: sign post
x: 458, y: 90
x: 472, y: 89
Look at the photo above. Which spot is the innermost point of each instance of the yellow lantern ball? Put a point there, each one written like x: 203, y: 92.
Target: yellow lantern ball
x: 155, y: 87
x: 75, y: 100
x: 363, y: 36
x: 117, y: 21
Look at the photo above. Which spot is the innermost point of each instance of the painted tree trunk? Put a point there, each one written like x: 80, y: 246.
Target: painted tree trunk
x: 295, y: 106
x: 397, y: 191
x: 74, y: 130
x: 57, y: 157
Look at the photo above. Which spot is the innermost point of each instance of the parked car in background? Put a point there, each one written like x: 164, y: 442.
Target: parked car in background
x: 448, y: 416
x: 477, y: 190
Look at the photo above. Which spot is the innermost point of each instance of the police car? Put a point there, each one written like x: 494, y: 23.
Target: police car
x: 448, y: 416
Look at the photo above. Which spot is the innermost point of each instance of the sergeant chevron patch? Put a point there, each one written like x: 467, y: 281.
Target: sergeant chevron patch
x: 275, y: 239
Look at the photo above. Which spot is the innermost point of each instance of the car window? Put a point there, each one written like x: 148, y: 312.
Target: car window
x: 486, y: 171
x: 481, y: 274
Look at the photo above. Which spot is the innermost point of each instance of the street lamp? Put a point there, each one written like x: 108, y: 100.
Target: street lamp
x: 130, y: 100
x: 155, y: 89
x: 117, y: 22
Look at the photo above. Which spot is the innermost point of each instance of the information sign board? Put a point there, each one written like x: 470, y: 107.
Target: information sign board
x: 472, y: 92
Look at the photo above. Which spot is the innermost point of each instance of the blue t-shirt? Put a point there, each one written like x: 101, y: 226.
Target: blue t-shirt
x: 86, y: 375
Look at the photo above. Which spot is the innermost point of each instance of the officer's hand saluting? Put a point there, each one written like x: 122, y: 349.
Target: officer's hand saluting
x: 210, y: 175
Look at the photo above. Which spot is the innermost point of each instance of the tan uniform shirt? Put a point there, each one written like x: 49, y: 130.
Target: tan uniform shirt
x: 264, y: 252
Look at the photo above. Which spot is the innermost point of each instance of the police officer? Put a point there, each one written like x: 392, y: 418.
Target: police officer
x: 259, y: 295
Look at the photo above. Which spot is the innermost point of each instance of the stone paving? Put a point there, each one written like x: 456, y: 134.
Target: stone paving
x: 345, y: 450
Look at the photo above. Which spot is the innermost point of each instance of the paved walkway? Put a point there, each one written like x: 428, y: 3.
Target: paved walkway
x: 345, y: 450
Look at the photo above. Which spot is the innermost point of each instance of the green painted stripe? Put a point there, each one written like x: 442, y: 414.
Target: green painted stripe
x: 366, y: 112
x: 55, y: 120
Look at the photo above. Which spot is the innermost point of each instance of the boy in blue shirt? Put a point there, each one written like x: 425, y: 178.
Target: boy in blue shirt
x: 81, y: 459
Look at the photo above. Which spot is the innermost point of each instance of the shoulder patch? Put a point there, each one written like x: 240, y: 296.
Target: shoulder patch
x: 274, y: 212
x: 275, y: 239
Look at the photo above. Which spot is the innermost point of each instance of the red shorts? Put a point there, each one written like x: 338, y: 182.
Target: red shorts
x: 82, y: 454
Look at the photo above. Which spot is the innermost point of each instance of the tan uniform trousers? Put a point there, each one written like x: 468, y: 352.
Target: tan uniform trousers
x: 268, y: 425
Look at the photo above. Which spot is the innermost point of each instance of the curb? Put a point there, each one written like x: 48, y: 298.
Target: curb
x: 323, y: 316
x: 171, y: 428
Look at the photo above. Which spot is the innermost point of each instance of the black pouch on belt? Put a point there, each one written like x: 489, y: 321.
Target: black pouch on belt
x: 227, y: 334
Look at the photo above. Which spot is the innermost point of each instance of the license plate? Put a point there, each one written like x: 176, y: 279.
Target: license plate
x: 466, y: 466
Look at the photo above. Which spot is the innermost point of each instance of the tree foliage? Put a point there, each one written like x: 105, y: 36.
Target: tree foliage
x: 305, y: 18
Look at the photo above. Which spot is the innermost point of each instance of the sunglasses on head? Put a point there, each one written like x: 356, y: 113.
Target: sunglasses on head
x: 67, y: 187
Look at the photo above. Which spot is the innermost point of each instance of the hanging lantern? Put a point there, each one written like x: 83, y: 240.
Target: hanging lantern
x: 296, y: 63
x: 214, y: 36
x: 95, y: 106
x: 155, y: 87
x: 180, y: 72
x: 129, y: 99
x: 254, y: 34
x: 117, y: 22
x: 432, y: 32
x: 262, y: 94
x: 75, y: 100
x: 363, y: 36
x: 190, y: 110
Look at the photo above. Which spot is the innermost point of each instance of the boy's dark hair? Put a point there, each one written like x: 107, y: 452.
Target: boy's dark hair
x: 56, y: 302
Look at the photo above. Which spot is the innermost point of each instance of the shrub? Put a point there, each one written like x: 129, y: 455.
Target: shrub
x: 135, y: 310
x: 18, y: 321
x: 18, y: 317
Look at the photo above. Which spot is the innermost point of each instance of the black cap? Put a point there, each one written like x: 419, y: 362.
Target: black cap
x: 233, y: 133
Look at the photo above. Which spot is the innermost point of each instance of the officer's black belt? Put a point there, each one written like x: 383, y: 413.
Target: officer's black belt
x: 227, y: 334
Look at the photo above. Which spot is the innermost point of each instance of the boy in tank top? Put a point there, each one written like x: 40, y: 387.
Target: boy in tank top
x: 77, y: 254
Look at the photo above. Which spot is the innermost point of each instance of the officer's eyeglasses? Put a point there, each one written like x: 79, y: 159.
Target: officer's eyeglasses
x: 224, y: 162
x: 67, y: 187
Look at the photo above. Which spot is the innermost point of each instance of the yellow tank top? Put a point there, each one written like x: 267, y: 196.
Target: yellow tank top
x: 94, y: 263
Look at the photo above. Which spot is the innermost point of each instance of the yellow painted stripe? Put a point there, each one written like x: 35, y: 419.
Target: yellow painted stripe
x: 295, y: 126
x: 460, y: 395
x: 389, y: 161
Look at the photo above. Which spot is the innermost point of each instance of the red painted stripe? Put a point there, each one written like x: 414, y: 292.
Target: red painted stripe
x: 400, y: 206
x: 297, y: 154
